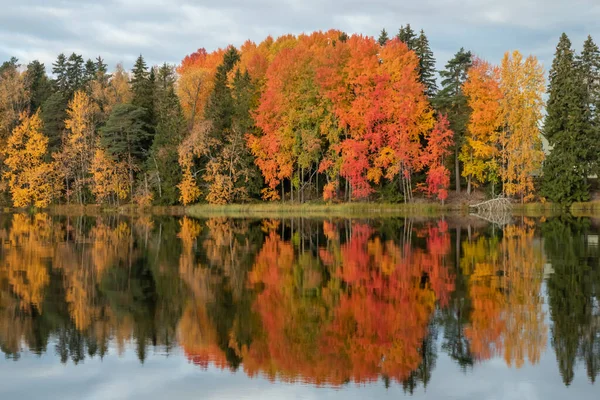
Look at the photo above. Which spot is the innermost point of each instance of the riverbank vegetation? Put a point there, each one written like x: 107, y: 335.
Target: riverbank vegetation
x: 316, y: 117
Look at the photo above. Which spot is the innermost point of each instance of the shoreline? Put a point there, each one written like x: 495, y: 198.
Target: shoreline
x: 315, y: 210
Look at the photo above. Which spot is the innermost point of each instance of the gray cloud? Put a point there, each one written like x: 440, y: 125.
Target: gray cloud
x: 164, y: 30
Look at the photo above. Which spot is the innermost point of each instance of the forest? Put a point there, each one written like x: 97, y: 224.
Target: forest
x: 324, y: 116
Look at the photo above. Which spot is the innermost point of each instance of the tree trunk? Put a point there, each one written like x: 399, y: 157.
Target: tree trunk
x: 457, y: 170
x: 158, y: 177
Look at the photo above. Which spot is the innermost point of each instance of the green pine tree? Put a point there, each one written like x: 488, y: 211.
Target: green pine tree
x: 124, y: 137
x: 245, y: 99
x: 59, y: 69
x: 427, y: 73
x: 101, y: 68
x: 38, y: 84
x: 451, y: 101
x: 219, y: 108
x: 75, y: 73
x: 142, y: 88
x: 54, y: 115
x: 588, y: 64
x: 567, y: 128
x: 408, y: 36
x: 162, y: 164
x: 383, y: 37
x: 573, y: 296
x: 89, y: 73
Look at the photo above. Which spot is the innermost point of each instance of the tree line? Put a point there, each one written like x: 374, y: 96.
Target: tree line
x: 322, y: 115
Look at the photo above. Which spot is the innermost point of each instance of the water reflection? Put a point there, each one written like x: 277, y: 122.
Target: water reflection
x: 323, y: 302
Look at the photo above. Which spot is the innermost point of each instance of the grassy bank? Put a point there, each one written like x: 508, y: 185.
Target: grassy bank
x: 127, y: 209
x: 357, y: 210
x: 317, y: 210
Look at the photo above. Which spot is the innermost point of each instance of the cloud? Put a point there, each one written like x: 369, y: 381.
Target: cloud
x: 164, y: 30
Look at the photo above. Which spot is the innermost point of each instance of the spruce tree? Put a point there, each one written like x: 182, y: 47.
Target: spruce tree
x: 451, y: 101
x: 101, y: 67
x: 54, y: 115
x: 124, y: 137
x: 383, y: 37
x: 219, y: 108
x: 567, y: 128
x: 89, y: 73
x: 588, y: 64
x: 245, y: 102
x: 162, y: 164
x: 140, y: 82
x: 427, y: 73
x: 142, y: 89
x: 408, y: 36
x: 59, y: 69
x: 75, y: 73
x: 38, y: 84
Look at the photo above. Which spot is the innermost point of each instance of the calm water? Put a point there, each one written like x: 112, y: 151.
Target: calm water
x: 160, y: 307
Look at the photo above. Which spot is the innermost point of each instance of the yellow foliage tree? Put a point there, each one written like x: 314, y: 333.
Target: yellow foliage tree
x: 110, y: 179
x: 479, y: 153
x: 522, y: 84
x: 79, y: 143
x: 196, y: 144
x: 31, y: 180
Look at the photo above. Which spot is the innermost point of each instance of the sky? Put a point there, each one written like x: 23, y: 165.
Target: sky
x: 167, y: 30
x: 173, y: 377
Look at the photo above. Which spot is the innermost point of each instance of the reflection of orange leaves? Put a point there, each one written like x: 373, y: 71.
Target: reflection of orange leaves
x: 198, y: 338
x: 374, y: 326
x: 330, y: 230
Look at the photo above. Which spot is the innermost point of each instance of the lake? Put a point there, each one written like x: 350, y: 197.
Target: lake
x: 155, y: 307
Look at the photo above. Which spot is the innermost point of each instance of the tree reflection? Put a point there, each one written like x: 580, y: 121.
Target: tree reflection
x: 505, y: 277
x: 325, y: 302
x: 573, y: 291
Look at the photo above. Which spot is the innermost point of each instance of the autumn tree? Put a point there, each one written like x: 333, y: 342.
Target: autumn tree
x: 290, y: 115
x: 479, y: 153
x: 14, y: 98
x: 110, y: 180
x: 78, y: 144
x: 381, y: 111
x: 31, y: 180
x: 439, y: 144
x: 196, y: 75
x: 522, y: 85
x: 119, y: 91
